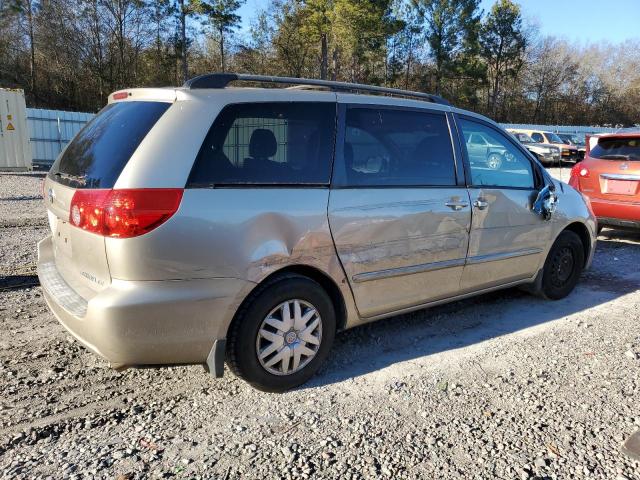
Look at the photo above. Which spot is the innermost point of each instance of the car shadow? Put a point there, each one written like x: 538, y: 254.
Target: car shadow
x: 375, y: 346
x: 616, y: 235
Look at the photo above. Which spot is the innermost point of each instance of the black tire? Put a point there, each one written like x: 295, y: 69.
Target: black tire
x: 563, y: 266
x: 242, y: 355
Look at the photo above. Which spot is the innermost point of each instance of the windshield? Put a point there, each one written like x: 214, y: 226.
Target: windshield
x: 572, y: 139
x: 523, y: 138
x: 617, y: 149
x: 98, y: 154
x: 553, y: 138
x: 578, y: 141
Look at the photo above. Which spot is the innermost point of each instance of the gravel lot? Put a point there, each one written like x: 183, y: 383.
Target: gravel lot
x: 501, y: 386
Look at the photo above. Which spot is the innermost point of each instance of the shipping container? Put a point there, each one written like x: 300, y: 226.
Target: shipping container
x: 15, y: 148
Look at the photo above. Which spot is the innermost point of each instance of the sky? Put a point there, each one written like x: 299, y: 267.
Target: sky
x: 584, y: 21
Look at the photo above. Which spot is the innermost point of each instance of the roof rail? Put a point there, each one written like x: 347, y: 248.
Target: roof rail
x: 221, y: 80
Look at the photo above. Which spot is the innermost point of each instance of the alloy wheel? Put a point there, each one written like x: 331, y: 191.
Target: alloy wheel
x: 289, y: 337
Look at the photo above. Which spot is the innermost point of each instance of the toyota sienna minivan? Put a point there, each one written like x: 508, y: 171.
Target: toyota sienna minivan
x: 210, y: 224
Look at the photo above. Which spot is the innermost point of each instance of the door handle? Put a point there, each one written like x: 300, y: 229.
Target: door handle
x: 480, y: 204
x: 454, y: 205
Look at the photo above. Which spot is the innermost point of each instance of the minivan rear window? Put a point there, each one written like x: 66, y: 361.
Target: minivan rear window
x: 98, y: 154
x: 271, y: 143
x: 617, y: 148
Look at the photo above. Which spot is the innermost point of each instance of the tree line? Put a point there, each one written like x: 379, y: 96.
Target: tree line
x: 70, y: 54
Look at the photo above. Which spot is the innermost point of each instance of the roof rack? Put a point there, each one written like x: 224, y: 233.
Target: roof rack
x: 221, y: 80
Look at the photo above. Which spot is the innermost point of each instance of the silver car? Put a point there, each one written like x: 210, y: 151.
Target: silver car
x: 209, y: 224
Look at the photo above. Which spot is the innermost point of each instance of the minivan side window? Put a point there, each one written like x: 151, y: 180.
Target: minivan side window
x: 395, y: 147
x: 268, y: 144
x: 498, y: 162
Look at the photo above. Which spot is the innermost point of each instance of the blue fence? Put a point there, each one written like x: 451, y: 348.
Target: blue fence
x: 582, y: 130
x: 51, y: 130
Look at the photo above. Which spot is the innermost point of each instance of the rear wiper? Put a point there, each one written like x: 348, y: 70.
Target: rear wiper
x: 81, y: 179
x: 615, y: 157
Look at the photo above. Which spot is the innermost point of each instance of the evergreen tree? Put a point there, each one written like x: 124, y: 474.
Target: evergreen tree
x: 503, y: 45
x: 451, y: 30
x: 224, y: 19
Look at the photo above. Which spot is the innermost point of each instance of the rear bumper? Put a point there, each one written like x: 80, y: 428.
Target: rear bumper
x: 133, y: 323
x: 546, y: 159
x: 616, y: 222
x: 616, y: 213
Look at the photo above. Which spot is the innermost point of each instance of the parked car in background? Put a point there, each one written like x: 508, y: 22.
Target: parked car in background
x: 610, y: 176
x: 577, y: 141
x: 204, y: 223
x: 568, y: 153
x: 482, y: 150
x: 548, y: 155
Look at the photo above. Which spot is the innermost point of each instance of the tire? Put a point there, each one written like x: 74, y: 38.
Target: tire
x: 494, y: 161
x: 563, y: 266
x: 249, y: 334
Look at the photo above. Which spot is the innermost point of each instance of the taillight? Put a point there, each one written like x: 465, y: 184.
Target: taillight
x: 123, y: 213
x: 578, y: 171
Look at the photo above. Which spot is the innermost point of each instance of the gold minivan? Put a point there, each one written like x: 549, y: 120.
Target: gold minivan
x: 210, y: 224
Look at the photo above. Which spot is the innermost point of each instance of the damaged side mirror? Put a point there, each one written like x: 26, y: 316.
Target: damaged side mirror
x: 546, y: 202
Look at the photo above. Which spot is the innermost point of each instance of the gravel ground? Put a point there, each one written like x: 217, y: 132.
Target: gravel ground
x: 500, y: 386
x: 22, y: 222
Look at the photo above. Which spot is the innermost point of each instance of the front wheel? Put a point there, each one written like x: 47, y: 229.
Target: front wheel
x: 494, y: 161
x: 282, y: 334
x: 563, y: 266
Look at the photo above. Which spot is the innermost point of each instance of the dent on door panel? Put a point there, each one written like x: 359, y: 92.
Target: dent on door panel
x: 245, y: 233
x: 400, y: 247
x: 507, y: 239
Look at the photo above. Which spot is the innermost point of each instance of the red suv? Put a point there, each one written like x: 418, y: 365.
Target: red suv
x: 610, y: 176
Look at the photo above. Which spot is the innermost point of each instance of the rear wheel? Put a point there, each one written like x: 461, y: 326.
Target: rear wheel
x: 563, y: 266
x: 282, y: 334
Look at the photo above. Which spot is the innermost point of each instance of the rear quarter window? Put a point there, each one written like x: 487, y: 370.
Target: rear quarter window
x: 272, y: 143
x: 98, y: 154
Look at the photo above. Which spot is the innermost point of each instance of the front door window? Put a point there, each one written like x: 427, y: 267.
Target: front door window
x: 500, y: 163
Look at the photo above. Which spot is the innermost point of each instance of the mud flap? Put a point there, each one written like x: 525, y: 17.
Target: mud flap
x: 215, y: 359
x: 535, y: 287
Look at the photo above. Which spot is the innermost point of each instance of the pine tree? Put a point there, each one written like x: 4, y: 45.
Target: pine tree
x: 503, y: 45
